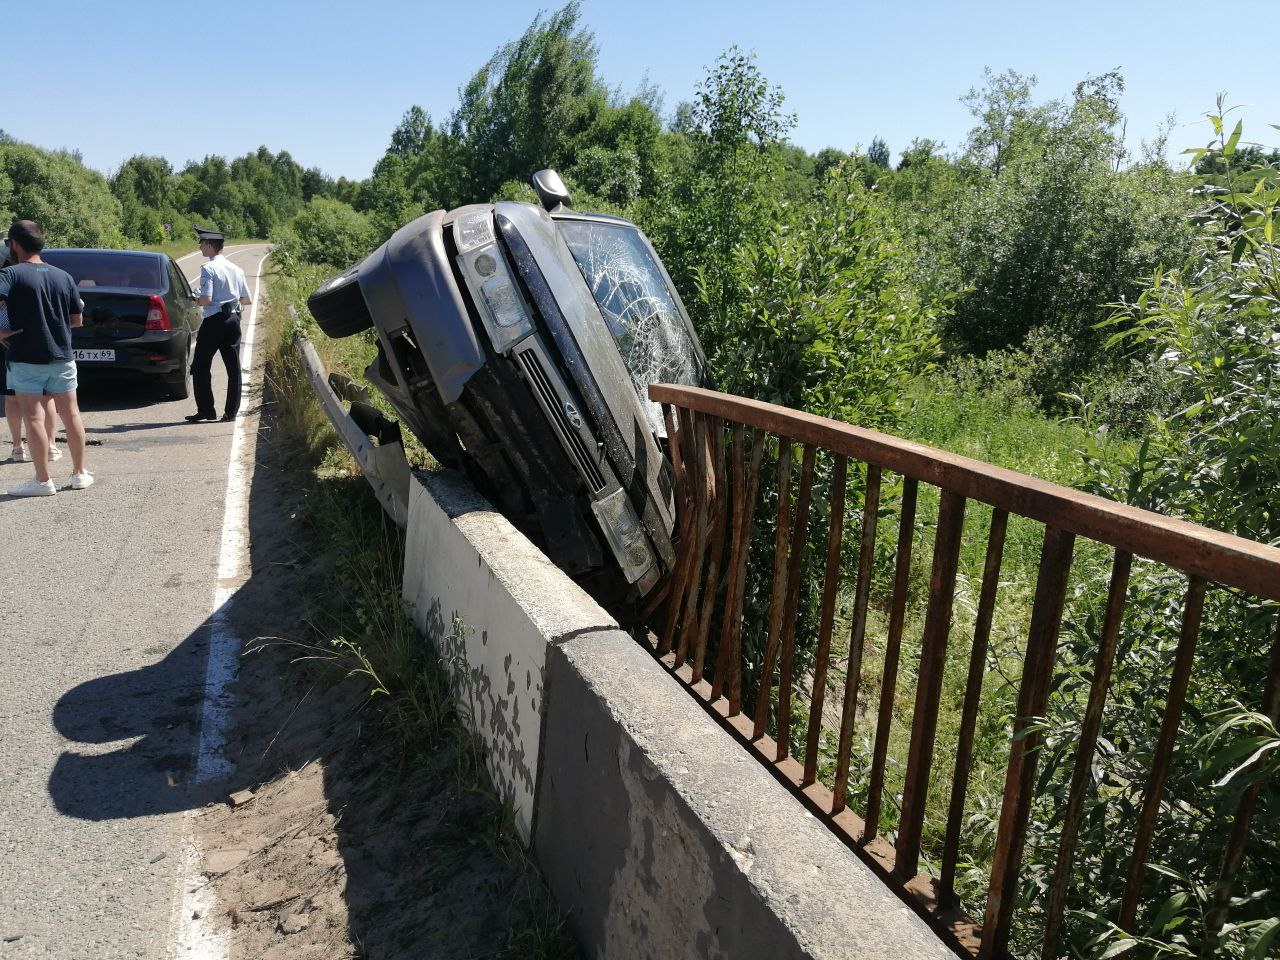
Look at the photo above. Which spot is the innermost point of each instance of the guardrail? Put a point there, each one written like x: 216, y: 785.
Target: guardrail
x: 383, y: 464
x: 718, y: 445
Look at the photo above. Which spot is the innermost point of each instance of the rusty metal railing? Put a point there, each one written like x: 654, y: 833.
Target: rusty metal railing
x: 718, y: 445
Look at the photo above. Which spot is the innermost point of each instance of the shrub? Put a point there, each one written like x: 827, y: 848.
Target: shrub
x: 1215, y: 461
x: 327, y: 232
x: 72, y: 203
x: 830, y: 323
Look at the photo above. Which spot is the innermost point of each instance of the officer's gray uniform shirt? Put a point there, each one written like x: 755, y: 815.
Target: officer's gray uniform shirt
x: 221, y: 281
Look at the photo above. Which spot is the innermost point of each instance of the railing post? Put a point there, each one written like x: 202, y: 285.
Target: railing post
x: 1033, y: 695
x: 1163, y: 757
x: 701, y: 484
x: 857, y: 637
x: 972, y: 700
x: 892, y: 649
x: 826, y: 619
x: 778, y: 599
x: 933, y: 658
x: 684, y: 511
x: 715, y: 540
x: 799, y: 539
x: 1084, y: 753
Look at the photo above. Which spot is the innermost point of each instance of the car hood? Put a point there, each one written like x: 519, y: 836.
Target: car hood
x: 632, y: 446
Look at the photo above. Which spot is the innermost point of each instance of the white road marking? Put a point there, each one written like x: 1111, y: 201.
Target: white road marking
x: 196, y: 936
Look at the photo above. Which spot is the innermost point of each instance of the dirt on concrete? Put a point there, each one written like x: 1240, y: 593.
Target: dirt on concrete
x: 333, y: 839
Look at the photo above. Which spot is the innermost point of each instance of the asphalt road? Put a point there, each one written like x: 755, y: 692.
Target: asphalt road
x: 105, y: 602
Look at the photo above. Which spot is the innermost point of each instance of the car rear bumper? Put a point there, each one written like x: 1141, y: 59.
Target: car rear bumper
x: 158, y: 355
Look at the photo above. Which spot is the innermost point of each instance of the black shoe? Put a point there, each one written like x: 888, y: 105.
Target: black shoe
x: 196, y: 417
x: 228, y: 417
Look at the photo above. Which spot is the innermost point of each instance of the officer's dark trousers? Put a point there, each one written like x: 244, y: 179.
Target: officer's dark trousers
x: 219, y: 333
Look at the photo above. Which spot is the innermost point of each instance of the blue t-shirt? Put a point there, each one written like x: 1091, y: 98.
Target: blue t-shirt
x: 41, y: 299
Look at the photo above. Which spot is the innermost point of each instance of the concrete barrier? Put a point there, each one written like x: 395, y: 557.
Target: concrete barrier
x: 659, y: 836
x: 492, y: 604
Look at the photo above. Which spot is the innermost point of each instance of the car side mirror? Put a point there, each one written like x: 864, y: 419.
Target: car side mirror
x: 550, y: 189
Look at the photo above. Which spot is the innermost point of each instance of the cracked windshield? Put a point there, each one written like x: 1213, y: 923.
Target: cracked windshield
x: 637, y: 307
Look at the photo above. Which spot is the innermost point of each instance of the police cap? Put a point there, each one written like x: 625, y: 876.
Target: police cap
x: 202, y: 234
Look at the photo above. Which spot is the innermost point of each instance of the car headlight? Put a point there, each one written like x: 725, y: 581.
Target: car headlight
x: 503, y: 302
x: 493, y: 288
x: 473, y: 230
x: 625, y: 534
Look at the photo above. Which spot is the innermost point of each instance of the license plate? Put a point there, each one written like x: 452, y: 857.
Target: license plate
x: 92, y: 355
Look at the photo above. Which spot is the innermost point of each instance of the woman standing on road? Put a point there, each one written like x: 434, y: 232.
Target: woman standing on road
x: 11, y: 412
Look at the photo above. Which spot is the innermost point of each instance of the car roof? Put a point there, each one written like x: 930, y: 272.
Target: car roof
x: 109, y: 251
x: 566, y: 213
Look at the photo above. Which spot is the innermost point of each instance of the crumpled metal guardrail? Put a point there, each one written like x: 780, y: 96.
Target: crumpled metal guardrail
x: 383, y: 465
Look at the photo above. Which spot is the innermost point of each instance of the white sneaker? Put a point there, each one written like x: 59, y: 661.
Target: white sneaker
x: 54, y: 452
x: 34, y: 488
x: 81, y: 481
x: 19, y: 453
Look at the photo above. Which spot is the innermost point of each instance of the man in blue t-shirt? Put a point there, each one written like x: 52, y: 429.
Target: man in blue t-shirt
x: 43, y: 306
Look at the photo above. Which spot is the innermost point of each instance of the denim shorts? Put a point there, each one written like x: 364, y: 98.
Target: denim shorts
x: 58, y: 377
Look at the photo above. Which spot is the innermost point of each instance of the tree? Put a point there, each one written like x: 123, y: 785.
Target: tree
x: 828, y: 158
x: 73, y: 204
x: 1055, y: 234
x: 726, y: 194
x: 878, y: 153
x: 327, y: 232
x: 410, y: 136
x: 526, y: 108
x: 145, y: 180
x: 1004, y: 112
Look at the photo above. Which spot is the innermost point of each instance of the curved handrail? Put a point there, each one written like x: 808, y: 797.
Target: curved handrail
x: 1216, y: 556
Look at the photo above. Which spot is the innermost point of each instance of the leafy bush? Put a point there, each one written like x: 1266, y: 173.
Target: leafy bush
x: 830, y: 323
x: 71, y: 202
x: 722, y: 195
x: 1052, y: 233
x: 327, y: 232
x: 1215, y: 461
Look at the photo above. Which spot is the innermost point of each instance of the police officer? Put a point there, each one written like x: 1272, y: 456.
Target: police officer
x: 223, y: 290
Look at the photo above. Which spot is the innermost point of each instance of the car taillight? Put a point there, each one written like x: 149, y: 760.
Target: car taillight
x: 157, y: 316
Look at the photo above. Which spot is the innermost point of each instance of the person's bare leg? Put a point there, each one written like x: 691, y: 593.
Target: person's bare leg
x: 33, y: 416
x: 69, y: 413
x: 13, y: 414
x: 50, y: 425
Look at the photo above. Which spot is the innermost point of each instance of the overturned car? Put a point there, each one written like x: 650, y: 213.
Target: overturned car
x: 518, y: 343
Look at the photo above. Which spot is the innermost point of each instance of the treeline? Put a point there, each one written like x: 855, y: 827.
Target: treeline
x: 147, y: 201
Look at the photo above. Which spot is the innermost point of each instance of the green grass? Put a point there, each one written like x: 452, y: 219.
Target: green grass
x: 181, y: 248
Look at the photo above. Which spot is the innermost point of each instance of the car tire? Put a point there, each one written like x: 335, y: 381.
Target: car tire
x: 178, y: 383
x: 339, y: 307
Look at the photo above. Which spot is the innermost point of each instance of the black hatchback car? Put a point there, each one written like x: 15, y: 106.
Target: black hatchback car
x: 140, y: 314
x: 518, y: 343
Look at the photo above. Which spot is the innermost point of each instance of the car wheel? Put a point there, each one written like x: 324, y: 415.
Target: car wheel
x: 179, y: 382
x: 339, y: 307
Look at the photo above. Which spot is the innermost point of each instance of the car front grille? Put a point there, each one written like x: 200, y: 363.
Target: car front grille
x: 569, y: 436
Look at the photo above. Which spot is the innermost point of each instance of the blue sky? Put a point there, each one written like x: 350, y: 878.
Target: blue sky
x: 328, y: 82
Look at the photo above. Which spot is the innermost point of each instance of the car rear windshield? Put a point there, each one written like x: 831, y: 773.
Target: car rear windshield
x: 119, y: 270
x: 637, y: 306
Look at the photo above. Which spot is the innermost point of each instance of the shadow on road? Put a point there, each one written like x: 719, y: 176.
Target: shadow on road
x: 152, y: 715
x: 374, y: 850
x: 99, y: 390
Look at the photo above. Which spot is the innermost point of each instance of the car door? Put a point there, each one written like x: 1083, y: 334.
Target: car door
x: 183, y: 303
